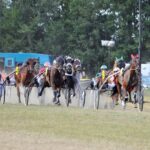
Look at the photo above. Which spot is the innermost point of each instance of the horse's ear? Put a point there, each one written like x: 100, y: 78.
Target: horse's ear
x: 121, y: 58
x: 116, y: 59
x: 132, y: 56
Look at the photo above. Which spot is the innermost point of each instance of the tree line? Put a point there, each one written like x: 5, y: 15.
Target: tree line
x: 76, y: 28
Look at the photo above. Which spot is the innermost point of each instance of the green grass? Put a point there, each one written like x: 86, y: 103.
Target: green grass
x: 125, y: 129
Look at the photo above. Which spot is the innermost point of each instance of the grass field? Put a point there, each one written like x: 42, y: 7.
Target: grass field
x: 61, y: 128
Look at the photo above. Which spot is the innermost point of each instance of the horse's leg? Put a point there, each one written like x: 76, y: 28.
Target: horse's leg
x: 114, y: 95
x: 124, y: 97
x: 58, y: 93
x: 115, y: 99
x: 135, y: 97
x: 36, y: 82
x: 18, y: 93
x: 74, y: 93
x: 130, y: 98
x: 119, y: 93
x: 55, y: 95
x: 1, y: 91
x: 40, y: 91
x: 69, y: 95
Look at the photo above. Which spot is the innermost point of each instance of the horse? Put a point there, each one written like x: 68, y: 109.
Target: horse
x: 57, y: 81
x: 118, y: 68
x: 69, y: 83
x: 52, y: 76
x: 24, y: 76
x: 72, y: 68
x: 119, y: 62
x: 77, y: 67
x: 130, y: 80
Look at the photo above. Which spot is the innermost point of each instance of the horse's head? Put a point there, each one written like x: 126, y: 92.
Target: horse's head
x: 69, y: 59
x: 77, y: 65
x: 119, y: 62
x: 69, y: 69
x: 59, y: 62
x: 135, y: 60
x: 31, y: 64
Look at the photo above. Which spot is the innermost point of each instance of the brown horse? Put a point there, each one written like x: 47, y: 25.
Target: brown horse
x: 24, y: 76
x: 52, y: 77
x: 126, y: 81
x: 119, y: 66
x: 130, y: 79
x: 56, y: 81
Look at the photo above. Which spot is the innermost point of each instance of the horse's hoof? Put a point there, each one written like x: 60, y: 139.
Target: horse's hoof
x: 126, y: 100
x: 57, y: 103
x: 39, y: 94
x: 116, y: 103
x: 123, y: 104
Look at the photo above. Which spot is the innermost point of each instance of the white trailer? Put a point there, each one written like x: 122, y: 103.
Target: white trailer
x: 145, y: 69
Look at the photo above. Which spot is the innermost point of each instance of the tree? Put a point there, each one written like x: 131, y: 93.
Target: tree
x: 75, y: 27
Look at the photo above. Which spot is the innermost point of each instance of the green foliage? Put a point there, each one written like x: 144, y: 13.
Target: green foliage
x: 75, y: 27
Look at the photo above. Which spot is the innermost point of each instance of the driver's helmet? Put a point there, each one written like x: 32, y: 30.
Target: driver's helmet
x: 54, y: 62
x: 103, y: 67
x: 47, y: 64
x: 98, y: 75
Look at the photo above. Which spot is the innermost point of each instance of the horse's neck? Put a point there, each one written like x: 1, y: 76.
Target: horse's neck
x: 115, y: 65
x: 132, y: 69
x: 129, y: 75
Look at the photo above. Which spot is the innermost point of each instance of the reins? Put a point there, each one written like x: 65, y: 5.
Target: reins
x: 108, y: 78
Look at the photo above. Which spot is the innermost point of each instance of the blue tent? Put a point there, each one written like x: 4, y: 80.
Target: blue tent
x: 10, y: 59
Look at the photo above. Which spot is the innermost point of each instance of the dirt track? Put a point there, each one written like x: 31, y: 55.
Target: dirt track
x: 26, y: 141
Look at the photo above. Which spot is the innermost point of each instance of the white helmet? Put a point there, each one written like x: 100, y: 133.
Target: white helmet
x: 54, y: 62
x: 47, y: 64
